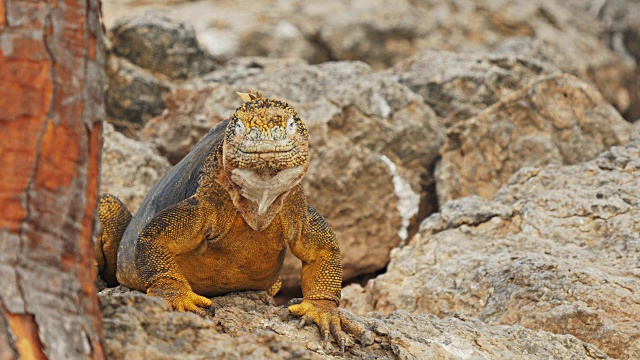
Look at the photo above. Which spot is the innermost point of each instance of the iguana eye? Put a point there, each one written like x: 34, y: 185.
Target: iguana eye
x: 240, y: 128
x: 291, y: 125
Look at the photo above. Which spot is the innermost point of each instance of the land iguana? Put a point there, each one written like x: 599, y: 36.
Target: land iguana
x: 221, y: 219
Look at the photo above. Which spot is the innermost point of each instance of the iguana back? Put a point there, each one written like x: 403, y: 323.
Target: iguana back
x: 176, y: 185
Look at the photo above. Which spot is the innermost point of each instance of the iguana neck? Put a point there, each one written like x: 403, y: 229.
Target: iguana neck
x: 258, y: 196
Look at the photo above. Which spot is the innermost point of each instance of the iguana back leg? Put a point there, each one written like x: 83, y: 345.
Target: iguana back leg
x: 275, y: 287
x: 114, y: 218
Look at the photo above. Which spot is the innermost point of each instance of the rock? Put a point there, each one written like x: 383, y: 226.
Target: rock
x: 245, y: 66
x: 160, y: 44
x: 284, y: 40
x: 248, y: 325
x: 385, y: 33
x: 613, y: 77
x: 621, y: 21
x: 460, y: 85
x: 129, y: 167
x: 556, y: 249
x: 373, y: 142
x: 190, y: 115
x: 555, y: 120
x: 133, y: 95
x: 635, y: 131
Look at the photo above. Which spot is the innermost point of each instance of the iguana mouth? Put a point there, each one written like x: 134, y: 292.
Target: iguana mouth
x: 266, y: 148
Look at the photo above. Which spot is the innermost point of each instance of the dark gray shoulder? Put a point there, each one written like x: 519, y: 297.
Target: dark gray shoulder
x: 178, y: 184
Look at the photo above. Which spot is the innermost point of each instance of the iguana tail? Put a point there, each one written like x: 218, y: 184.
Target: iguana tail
x: 114, y: 217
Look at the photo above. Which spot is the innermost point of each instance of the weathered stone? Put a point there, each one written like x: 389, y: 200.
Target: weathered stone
x: 621, y: 22
x: 129, y: 167
x: 557, y: 249
x: 556, y: 120
x: 160, y: 44
x: 248, y: 325
x: 384, y: 33
x: 373, y: 142
x: 133, y: 95
x: 283, y: 40
x: 613, y: 77
x: 459, y: 85
x: 189, y: 116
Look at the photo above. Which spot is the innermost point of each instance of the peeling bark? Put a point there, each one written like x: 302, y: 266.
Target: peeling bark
x: 51, y: 113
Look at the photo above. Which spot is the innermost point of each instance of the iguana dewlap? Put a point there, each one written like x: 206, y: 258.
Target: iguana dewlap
x: 221, y: 220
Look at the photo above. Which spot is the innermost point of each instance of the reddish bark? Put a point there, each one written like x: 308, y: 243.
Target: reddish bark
x: 51, y: 111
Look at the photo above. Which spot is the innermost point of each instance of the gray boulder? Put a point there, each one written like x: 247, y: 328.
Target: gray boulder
x: 555, y: 120
x: 133, y: 95
x: 460, y: 85
x: 160, y: 44
x: 557, y: 249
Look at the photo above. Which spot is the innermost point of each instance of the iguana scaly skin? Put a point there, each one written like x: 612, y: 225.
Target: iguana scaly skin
x: 221, y: 220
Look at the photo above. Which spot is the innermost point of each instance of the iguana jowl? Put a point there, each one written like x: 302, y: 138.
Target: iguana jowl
x: 221, y: 220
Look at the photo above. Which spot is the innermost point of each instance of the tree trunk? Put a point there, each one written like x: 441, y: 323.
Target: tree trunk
x: 51, y: 113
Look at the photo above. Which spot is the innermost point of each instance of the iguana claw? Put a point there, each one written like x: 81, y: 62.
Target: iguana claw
x: 330, y: 320
x: 181, y: 298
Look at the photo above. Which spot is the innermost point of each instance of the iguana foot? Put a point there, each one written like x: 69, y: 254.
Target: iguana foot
x: 181, y: 298
x: 330, y: 319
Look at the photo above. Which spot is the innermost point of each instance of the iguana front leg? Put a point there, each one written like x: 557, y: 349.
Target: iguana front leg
x: 322, y: 282
x: 176, y: 230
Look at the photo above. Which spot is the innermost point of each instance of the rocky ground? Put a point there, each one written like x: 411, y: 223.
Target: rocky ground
x: 482, y: 156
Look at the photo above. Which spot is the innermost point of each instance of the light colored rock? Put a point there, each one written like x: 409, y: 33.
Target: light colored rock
x: 160, y: 44
x: 557, y: 249
x: 586, y: 59
x: 373, y: 142
x: 133, y: 95
x: 460, y: 85
x: 249, y: 326
x: 382, y: 33
x: 129, y: 167
x: 555, y: 120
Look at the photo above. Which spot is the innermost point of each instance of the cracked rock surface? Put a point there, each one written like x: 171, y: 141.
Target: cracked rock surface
x: 460, y: 85
x: 556, y: 249
x: 249, y: 326
x: 555, y: 120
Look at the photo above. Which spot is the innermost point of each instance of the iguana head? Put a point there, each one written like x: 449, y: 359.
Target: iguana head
x: 266, y: 136
x: 265, y: 155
